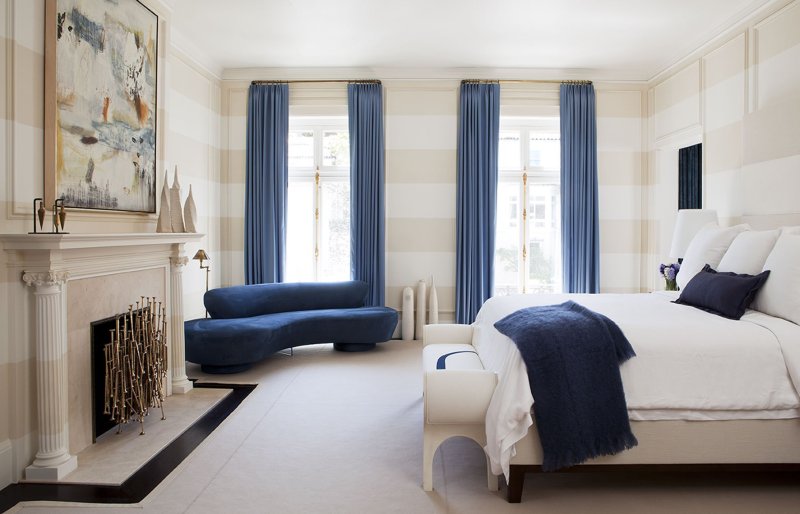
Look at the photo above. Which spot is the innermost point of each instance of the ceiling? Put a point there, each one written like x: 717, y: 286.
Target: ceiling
x: 624, y: 39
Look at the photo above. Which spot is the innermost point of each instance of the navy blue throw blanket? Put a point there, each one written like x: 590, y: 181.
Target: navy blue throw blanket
x: 573, y: 356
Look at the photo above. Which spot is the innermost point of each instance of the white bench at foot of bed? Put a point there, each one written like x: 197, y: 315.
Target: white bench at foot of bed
x: 456, y: 390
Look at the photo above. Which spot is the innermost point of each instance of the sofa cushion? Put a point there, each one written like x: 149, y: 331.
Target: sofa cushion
x: 259, y: 299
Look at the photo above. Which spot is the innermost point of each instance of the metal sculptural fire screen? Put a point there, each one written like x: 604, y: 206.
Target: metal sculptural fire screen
x: 136, y: 363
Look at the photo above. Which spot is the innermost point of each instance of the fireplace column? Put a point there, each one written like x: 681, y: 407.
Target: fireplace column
x: 180, y: 382
x: 53, y: 460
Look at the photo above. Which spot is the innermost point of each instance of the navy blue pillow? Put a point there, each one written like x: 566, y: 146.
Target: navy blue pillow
x: 724, y: 293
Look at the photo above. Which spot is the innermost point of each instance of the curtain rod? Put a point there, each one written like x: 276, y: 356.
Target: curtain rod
x: 523, y: 81
x: 468, y: 81
x: 309, y: 81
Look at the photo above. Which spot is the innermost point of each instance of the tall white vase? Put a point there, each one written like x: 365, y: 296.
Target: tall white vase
x: 422, y: 295
x: 176, y: 213
x: 433, y: 308
x: 190, y: 213
x: 164, y: 220
x: 407, y: 328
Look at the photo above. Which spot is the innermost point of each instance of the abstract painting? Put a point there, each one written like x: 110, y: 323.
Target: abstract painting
x: 103, y: 153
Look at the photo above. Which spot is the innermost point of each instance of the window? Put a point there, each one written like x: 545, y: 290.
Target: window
x: 318, y: 210
x: 528, y: 237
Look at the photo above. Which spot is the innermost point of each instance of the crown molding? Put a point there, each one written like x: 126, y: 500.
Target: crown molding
x: 186, y: 51
x: 727, y: 31
x: 408, y: 73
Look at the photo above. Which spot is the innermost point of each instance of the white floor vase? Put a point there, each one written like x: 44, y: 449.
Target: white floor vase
x: 407, y: 327
x: 421, y: 308
x: 433, y: 307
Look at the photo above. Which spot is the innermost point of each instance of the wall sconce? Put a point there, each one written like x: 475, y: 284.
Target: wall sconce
x: 201, y: 256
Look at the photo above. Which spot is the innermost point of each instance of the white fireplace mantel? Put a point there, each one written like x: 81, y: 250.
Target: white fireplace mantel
x: 46, y: 263
x: 33, y: 242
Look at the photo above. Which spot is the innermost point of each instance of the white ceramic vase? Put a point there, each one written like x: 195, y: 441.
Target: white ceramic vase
x: 164, y: 220
x: 407, y: 327
x: 422, y: 290
x: 176, y: 213
x: 190, y: 213
x: 433, y: 307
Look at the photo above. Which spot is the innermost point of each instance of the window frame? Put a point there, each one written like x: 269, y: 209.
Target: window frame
x: 318, y: 172
x: 523, y: 177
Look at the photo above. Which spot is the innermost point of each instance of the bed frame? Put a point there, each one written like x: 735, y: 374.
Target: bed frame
x: 455, y: 402
x: 697, y: 445
x: 682, y: 445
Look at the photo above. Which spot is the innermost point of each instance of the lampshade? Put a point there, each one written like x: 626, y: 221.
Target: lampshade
x: 687, y: 225
x: 201, y: 255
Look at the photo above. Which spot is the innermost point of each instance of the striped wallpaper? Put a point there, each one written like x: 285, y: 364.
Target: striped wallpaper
x: 739, y: 95
x: 21, y: 139
x: 193, y: 144
x: 421, y: 134
x: 741, y: 99
x: 189, y: 137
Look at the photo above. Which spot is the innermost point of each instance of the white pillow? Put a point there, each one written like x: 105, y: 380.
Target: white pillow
x: 790, y: 230
x: 749, y: 251
x: 780, y: 296
x: 707, y: 247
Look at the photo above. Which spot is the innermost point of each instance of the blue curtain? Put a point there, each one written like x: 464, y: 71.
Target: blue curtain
x: 580, y: 230
x: 367, y: 254
x: 476, y: 200
x: 266, y: 182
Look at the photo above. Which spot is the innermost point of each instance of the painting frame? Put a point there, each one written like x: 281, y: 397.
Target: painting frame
x: 127, y: 173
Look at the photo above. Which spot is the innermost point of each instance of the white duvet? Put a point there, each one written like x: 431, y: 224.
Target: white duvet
x: 689, y: 365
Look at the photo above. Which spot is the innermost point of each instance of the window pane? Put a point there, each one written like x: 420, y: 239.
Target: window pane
x: 301, y: 149
x: 509, y: 150
x: 507, y: 252
x: 300, y: 231
x: 336, y: 148
x: 544, y: 239
x: 544, y: 152
x: 334, y: 251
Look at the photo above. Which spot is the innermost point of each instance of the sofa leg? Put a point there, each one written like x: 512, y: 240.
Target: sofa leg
x: 516, y: 480
x: 353, y: 347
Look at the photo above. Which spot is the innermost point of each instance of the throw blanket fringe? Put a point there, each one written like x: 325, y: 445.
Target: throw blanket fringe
x: 572, y: 355
x: 600, y: 448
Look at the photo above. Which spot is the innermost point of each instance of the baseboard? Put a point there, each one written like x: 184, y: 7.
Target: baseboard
x: 6, y: 463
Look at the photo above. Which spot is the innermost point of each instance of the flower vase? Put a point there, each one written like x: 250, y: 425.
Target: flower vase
x: 672, y: 285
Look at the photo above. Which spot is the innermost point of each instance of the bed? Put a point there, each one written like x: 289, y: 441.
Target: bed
x: 702, y: 390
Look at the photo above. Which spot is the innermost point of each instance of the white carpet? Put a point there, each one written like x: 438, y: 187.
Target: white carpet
x: 334, y: 432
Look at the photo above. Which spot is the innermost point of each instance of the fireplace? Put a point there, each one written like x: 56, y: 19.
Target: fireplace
x: 67, y: 282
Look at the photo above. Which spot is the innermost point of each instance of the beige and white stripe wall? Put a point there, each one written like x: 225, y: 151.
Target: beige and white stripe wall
x: 189, y: 136
x: 420, y: 139
x: 740, y: 96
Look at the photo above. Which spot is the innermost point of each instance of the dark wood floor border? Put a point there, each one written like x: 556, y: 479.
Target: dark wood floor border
x: 517, y: 472
x: 143, y: 481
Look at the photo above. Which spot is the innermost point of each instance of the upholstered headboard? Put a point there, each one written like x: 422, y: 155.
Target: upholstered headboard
x: 770, y: 221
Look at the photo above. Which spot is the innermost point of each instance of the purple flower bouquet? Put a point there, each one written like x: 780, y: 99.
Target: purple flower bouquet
x: 669, y: 272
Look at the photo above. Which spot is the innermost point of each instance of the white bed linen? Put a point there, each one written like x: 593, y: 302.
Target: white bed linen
x: 689, y: 365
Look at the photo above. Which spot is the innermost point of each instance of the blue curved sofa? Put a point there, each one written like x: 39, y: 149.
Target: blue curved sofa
x: 249, y: 323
